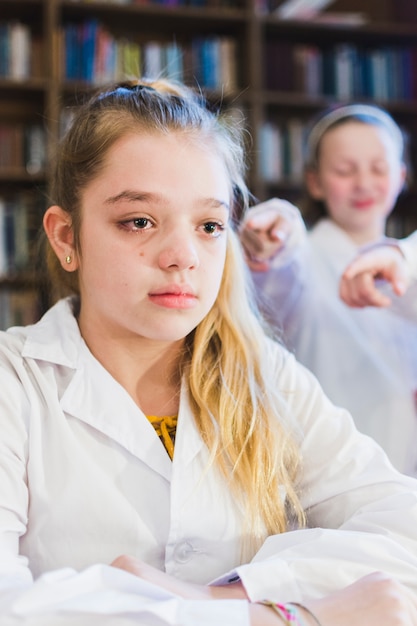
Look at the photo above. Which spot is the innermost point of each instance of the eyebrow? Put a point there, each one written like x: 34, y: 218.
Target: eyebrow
x: 130, y: 196
x: 145, y: 196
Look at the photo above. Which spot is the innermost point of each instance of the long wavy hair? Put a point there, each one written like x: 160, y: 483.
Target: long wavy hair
x: 237, y: 408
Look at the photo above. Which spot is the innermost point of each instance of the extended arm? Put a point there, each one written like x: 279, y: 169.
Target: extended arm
x: 272, y: 230
x: 360, y: 284
x: 374, y: 600
x: 384, y: 275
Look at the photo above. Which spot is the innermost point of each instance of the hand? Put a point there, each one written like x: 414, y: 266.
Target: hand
x: 375, y: 600
x: 357, y: 286
x: 265, y: 231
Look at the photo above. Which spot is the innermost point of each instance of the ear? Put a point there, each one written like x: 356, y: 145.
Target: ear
x: 58, y: 228
x: 402, y: 178
x: 312, y: 181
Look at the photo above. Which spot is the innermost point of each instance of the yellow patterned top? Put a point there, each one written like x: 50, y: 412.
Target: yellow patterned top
x: 165, y: 428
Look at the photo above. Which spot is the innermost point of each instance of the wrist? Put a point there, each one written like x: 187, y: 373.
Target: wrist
x: 262, y: 615
x: 231, y: 591
x: 292, y: 613
x: 309, y: 618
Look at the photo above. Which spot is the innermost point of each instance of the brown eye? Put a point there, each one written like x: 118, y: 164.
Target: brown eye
x: 140, y: 222
x: 213, y: 229
x: 210, y: 227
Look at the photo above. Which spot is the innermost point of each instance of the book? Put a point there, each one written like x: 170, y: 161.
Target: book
x: 34, y: 148
x: 20, y: 51
x: 279, y: 65
x: 300, y: 9
x: 270, y: 160
x: 344, y: 63
x: 228, y: 64
x: 346, y: 18
x: 174, y: 62
x: 3, y: 252
x: 18, y: 307
x: 296, y: 137
x: 308, y: 70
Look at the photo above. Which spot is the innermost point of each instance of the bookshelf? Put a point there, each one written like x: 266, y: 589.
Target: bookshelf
x: 323, y: 62
x: 275, y: 72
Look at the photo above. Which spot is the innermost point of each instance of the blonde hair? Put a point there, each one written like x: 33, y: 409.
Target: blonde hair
x: 235, y: 402
x: 239, y: 410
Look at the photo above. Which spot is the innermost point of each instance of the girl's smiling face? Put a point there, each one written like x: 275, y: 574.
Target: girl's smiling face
x: 359, y: 176
x: 153, y: 238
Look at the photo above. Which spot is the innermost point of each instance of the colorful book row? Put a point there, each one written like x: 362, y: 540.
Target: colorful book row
x: 23, y: 146
x: 20, y: 221
x: 344, y: 71
x: 89, y: 52
x: 281, y: 151
x: 18, y: 307
x: 191, y: 3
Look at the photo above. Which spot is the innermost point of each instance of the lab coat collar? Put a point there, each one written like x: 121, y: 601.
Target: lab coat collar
x: 120, y: 418
x: 94, y: 397
x: 56, y: 337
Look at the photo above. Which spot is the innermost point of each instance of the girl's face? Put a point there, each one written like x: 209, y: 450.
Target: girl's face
x: 359, y: 177
x: 153, y: 238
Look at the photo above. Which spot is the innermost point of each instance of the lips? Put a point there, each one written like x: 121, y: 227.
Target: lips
x: 363, y: 204
x: 174, y: 297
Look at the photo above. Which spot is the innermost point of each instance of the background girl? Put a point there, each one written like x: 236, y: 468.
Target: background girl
x: 366, y: 360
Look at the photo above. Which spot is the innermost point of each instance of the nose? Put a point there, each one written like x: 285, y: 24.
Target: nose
x: 363, y: 178
x: 178, y: 253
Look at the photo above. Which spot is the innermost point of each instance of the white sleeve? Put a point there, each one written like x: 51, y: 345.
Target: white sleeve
x: 405, y: 305
x: 98, y: 595
x: 281, y: 289
x: 296, y: 237
x: 408, y: 247
x: 362, y: 514
x: 105, y: 596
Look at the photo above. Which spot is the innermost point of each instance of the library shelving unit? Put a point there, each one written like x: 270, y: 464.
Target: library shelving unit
x: 276, y: 73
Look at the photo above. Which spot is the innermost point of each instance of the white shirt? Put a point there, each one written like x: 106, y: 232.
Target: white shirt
x: 365, y: 359
x: 408, y: 246
x: 84, y: 478
x: 405, y: 305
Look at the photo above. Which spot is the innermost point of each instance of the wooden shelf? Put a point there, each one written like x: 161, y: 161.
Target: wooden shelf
x: 40, y: 98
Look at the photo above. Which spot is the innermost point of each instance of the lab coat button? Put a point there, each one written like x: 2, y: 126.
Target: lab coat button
x: 183, y: 552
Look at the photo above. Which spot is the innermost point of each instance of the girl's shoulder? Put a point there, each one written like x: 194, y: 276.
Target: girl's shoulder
x: 277, y: 360
x: 12, y: 343
x: 54, y: 338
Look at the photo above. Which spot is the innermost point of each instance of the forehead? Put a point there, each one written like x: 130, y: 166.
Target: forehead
x: 355, y: 137
x: 165, y: 163
x: 148, y: 142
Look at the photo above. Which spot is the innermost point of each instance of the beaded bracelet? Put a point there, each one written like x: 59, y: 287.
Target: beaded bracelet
x: 307, y: 610
x: 287, y: 612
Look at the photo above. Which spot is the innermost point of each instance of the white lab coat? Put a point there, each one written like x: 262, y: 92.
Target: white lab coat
x: 406, y: 305
x: 84, y: 478
x: 409, y: 249
x: 365, y: 359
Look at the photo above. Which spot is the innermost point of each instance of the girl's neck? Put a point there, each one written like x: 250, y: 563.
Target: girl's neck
x: 150, y: 373
x: 363, y: 237
x: 152, y: 381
